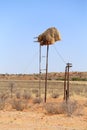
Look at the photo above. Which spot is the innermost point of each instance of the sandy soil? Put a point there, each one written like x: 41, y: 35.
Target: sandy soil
x: 36, y: 118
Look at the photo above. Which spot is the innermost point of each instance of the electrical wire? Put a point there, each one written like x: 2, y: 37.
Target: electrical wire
x: 61, y: 57
x: 31, y: 61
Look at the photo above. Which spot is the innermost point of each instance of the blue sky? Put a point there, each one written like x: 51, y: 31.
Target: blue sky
x: 22, y: 20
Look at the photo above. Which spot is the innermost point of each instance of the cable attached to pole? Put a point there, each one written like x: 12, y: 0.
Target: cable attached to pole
x: 31, y: 61
x: 59, y: 55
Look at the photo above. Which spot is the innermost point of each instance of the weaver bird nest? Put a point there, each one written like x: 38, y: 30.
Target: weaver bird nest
x: 50, y: 36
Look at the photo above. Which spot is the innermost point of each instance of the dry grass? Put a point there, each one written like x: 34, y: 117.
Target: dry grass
x: 70, y: 107
x: 18, y: 95
x: 19, y: 104
x: 55, y: 95
x: 37, y: 100
x: 2, y: 104
x: 26, y: 95
x: 78, y: 88
x: 3, y: 99
x: 53, y: 108
x: 61, y: 108
x: 39, y: 115
x: 30, y: 90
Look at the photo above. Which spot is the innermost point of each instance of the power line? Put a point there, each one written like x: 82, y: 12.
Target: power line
x: 31, y: 61
x: 59, y: 55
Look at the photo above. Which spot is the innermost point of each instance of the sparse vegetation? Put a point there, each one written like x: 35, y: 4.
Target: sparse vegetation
x: 31, y: 89
x: 3, y: 98
x: 35, y: 91
x: 37, y: 95
x: 55, y: 95
x: 61, y: 108
x: 2, y: 103
x: 37, y: 100
x: 11, y: 88
x: 69, y: 107
x: 78, y: 79
x: 53, y: 108
x: 19, y: 104
x: 26, y: 95
x: 26, y: 103
x: 74, y: 76
x: 18, y: 95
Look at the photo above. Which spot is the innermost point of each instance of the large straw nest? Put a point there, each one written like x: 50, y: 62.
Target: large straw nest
x: 50, y: 36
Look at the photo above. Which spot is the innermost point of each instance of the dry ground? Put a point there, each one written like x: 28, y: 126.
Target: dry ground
x: 37, y: 117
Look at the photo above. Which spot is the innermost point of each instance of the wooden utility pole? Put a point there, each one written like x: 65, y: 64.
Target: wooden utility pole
x: 39, y: 71
x: 66, y: 81
x: 45, y: 96
x: 46, y: 74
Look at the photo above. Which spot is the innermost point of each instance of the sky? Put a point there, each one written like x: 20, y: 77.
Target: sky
x: 22, y: 20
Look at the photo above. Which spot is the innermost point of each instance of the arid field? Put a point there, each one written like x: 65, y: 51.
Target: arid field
x: 21, y: 108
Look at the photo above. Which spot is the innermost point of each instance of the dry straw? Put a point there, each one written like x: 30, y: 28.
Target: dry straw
x: 50, y: 36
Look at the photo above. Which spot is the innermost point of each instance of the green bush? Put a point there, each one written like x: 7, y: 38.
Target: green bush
x: 78, y: 79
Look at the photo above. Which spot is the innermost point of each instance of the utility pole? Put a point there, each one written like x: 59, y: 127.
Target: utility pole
x: 45, y: 96
x: 46, y: 74
x: 39, y: 71
x: 66, y: 82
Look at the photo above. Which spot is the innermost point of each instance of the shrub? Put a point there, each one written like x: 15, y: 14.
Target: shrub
x: 55, y: 95
x: 37, y: 100
x: 2, y: 104
x: 11, y: 88
x: 34, y: 91
x: 79, y: 79
x: 61, y: 108
x: 19, y: 104
x: 79, y: 111
x: 18, y: 95
x: 52, y: 108
x: 3, y: 98
x: 69, y: 107
x: 26, y: 95
x: 37, y: 95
